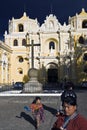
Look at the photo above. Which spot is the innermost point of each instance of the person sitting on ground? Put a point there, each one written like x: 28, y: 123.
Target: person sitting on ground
x: 71, y: 119
x: 37, y: 111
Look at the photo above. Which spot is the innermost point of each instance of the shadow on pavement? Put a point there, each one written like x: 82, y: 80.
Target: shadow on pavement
x: 27, y: 118
x: 50, y: 109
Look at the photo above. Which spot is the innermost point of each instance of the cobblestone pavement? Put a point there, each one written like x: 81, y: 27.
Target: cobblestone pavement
x: 14, y: 117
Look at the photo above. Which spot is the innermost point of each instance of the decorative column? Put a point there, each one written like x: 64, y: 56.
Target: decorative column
x: 59, y: 39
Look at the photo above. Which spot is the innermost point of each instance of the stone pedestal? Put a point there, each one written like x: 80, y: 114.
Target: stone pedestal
x: 33, y: 86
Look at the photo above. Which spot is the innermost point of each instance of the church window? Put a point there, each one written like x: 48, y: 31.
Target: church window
x: 15, y: 42
x: 51, y: 45
x: 84, y: 24
x: 21, y: 28
x: 23, y: 42
x: 21, y: 59
x: 81, y: 40
x: 20, y: 70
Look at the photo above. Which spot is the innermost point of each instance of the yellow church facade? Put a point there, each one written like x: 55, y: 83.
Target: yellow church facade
x: 5, y: 63
x: 58, y: 50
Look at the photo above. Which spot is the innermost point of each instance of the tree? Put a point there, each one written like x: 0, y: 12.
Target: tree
x: 25, y: 78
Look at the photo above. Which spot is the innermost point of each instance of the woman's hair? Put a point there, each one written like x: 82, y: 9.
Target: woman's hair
x: 35, y: 100
x: 70, y: 100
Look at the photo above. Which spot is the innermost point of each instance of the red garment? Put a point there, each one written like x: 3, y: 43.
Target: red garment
x: 37, y: 111
x: 34, y: 106
x: 78, y: 123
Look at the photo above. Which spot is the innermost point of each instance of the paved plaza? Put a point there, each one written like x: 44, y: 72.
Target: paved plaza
x: 14, y: 117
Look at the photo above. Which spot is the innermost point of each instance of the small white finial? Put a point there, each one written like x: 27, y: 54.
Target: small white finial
x: 24, y: 14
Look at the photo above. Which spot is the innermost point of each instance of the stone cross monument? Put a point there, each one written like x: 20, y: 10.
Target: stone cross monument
x: 33, y: 86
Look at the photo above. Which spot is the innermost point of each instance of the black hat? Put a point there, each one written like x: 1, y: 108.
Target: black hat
x: 70, y: 93
x: 70, y: 100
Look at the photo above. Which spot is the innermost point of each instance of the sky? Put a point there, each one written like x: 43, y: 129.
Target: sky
x: 39, y: 9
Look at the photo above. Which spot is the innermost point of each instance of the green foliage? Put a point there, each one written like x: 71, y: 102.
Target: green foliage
x: 25, y: 78
x: 42, y: 74
x: 81, y: 70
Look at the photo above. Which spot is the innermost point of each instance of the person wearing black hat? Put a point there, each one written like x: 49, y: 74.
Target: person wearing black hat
x: 71, y: 119
x: 68, y: 91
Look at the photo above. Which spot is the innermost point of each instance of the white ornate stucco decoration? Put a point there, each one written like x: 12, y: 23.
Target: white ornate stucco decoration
x: 51, y: 24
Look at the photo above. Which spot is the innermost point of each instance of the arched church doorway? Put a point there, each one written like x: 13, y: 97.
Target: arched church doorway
x: 52, y: 73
